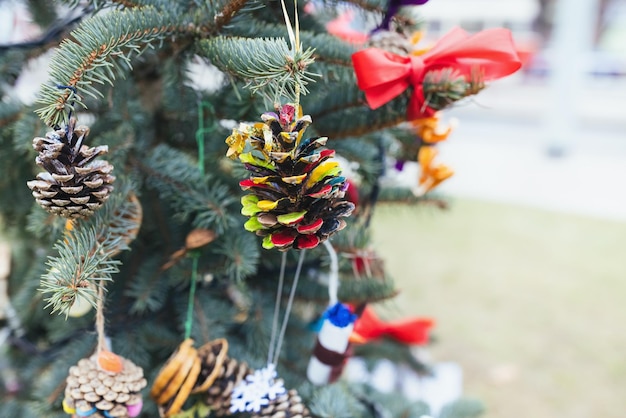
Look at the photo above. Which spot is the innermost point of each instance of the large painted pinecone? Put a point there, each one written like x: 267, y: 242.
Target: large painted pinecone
x: 297, y: 193
x: 222, y: 373
x: 75, y: 183
x: 93, y: 392
x: 287, y: 405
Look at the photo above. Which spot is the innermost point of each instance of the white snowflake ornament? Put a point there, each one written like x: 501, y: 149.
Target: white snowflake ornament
x: 256, y: 391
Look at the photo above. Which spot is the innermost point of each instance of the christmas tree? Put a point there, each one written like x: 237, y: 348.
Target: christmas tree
x: 215, y: 226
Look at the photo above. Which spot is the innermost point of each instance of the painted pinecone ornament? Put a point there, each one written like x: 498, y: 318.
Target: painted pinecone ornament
x: 296, y: 195
x: 94, y: 392
x: 75, y: 182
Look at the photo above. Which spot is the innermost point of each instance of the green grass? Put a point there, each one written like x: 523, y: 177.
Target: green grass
x: 530, y: 303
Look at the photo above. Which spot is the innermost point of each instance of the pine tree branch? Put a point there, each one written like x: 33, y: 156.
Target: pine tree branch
x: 328, y: 49
x: 352, y: 117
x: 268, y: 65
x: 361, y: 130
x: 126, y: 3
x: 101, y: 47
x: 85, y: 253
x: 56, y: 393
x: 341, y: 107
x: 82, y: 264
x: 129, y: 4
x: 332, y: 61
x: 177, y: 180
x: 9, y: 113
x: 228, y: 12
x: 218, y: 16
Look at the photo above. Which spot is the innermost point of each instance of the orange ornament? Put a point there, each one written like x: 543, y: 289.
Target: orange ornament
x: 431, y: 173
x: 430, y: 130
x: 110, y: 362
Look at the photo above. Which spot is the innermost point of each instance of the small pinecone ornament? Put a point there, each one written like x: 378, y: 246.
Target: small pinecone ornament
x: 297, y: 193
x: 287, y: 405
x: 75, y: 183
x: 220, y: 374
x: 176, y: 379
x: 391, y: 41
x: 104, y: 386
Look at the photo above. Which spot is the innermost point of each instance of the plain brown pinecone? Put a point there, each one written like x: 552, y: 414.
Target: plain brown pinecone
x: 288, y: 405
x: 218, y: 395
x: 75, y: 183
x: 219, y: 375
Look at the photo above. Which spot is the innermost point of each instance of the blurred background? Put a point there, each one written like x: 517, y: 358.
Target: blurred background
x: 560, y: 122
x: 524, y: 272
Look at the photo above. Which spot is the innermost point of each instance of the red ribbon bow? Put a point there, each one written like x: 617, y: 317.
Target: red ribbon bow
x: 408, y: 331
x: 383, y: 75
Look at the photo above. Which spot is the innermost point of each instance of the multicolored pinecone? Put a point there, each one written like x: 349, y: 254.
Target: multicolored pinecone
x: 75, y: 183
x: 297, y: 193
x: 94, y: 392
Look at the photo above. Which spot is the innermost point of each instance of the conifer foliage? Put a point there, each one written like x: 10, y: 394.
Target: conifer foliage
x: 154, y: 242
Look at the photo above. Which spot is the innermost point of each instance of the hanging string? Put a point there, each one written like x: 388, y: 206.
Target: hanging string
x: 288, y: 308
x: 274, y: 350
x: 262, y: 387
x: 192, y: 294
x: 100, y: 319
x: 279, y: 291
x: 296, y: 49
x: 202, y: 131
x: 200, y: 139
x: 333, y: 274
x: 294, y: 40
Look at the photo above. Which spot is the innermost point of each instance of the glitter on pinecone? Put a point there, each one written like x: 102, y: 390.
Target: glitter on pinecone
x: 94, y: 392
x: 297, y: 193
x: 75, y: 183
x: 287, y: 405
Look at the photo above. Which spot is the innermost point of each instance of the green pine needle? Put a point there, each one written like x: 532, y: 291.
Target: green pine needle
x: 84, y: 255
x: 81, y: 266
x: 269, y: 66
x: 204, y: 200
x: 446, y: 86
x: 98, y: 50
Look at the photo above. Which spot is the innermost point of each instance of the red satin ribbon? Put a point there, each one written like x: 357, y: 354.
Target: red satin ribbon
x: 383, y: 75
x: 408, y: 331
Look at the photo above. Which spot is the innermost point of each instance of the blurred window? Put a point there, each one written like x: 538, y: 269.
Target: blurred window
x: 472, y: 25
